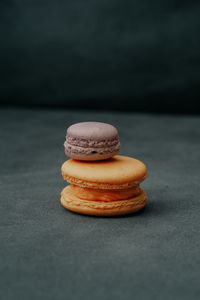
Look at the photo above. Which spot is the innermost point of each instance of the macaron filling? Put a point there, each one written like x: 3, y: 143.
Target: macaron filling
x: 105, y: 195
x: 77, y: 150
x: 91, y: 143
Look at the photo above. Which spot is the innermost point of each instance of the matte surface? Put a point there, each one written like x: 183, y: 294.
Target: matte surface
x: 91, y: 133
x: 47, y: 252
x: 142, y: 55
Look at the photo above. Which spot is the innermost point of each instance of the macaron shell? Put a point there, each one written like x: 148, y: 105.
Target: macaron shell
x: 92, y: 157
x: 115, y: 173
x: 100, y: 208
x: 95, y: 131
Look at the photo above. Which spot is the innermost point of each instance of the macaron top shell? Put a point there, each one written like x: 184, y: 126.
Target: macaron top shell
x: 115, y: 173
x: 96, y: 131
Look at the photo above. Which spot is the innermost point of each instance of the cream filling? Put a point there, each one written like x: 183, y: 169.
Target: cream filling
x: 91, y: 143
x: 103, y: 195
x: 91, y: 151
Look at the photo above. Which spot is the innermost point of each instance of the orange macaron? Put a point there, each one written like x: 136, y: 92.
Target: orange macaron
x: 104, y: 188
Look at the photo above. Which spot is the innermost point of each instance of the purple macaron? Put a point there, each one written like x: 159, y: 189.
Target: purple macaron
x: 91, y: 141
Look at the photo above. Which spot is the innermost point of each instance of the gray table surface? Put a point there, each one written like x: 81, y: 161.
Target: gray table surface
x: 47, y: 252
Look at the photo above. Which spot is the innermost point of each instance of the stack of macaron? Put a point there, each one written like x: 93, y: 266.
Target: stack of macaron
x: 102, y: 183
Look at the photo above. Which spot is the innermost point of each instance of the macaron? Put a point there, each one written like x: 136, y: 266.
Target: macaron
x: 104, y: 188
x: 91, y: 141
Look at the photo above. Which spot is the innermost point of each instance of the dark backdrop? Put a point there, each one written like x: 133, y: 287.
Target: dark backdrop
x: 140, y: 55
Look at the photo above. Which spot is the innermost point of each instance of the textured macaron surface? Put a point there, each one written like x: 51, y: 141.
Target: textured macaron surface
x: 92, y: 134
x: 92, y: 140
x: 117, y: 172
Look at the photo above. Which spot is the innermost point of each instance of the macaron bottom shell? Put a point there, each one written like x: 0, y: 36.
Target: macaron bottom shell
x: 102, y: 208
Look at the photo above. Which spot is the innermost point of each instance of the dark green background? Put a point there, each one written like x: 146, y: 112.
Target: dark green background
x: 48, y: 253
x: 140, y: 55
